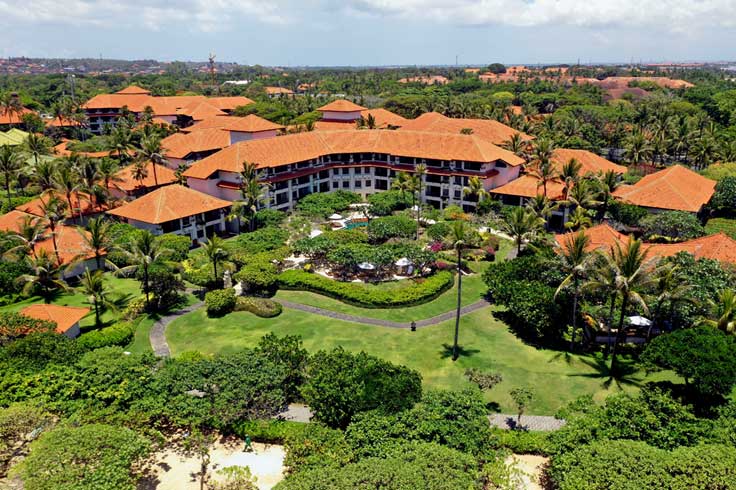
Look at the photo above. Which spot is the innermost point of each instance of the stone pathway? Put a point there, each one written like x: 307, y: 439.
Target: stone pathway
x: 157, y: 336
x: 296, y: 412
x: 528, y: 422
x: 384, y: 323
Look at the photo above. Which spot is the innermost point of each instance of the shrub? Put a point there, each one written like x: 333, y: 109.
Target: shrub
x: 262, y: 307
x: 673, y: 225
x: 385, y: 203
x: 371, y: 296
x: 257, y: 277
x: 9, y: 274
x: 719, y: 171
x: 321, y: 205
x: 269, y: 217
x: 628, y: 214
x: 341, y: 384
x: 220, y: 302
x: 524, y: 441
x: 263, y: 240
x: 13, y: 325
x: 438, y: 231
x: 381, y: 229
x: 177, y: 246
x: 119, y: 334
x: 6, y: 207
x: 316, y: 446
x: 724, y: 199
x: 121, y: 233
x: 268, y: 431
x: 135, y: 308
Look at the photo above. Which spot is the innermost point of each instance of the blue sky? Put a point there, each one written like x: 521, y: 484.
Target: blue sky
x: 372, y: 32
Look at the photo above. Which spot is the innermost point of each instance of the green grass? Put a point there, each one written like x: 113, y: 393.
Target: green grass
x: 141, y: 342
x: 725, y: 225
x: 122, y: 290
x: 556, y: 378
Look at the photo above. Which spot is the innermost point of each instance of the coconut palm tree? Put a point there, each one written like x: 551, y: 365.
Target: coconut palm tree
x: 143, y: 253
x: 402, y: 183
x: 67, y: 182
x: 671, y: 287
x: 459, y: 235
x: 252, y: 192
x: 704, y: 152
x: 542, y: 206
x: 215, y: 251
x: 45, y: 276
x: 10, y: 105
x: 11, y: 163
x: 31, y: 231
x: 634, y: 274
x: 37, y: 146
x: 570, y: 174
x: 121, y: 141
x: 516, y: 145
x: 579, y: 219
x: 140, y: 172
x: 583, y: 195
x: 607, y: 184
x: 54, y: 211
x: 42, y: 174
x: 420, y: 171
x: 98, y: 238
x: 521, y: 224
x: 151, y: 151
x: 638, y: 148
x: 576, y: 261
x: 93, y: 286
x: 475, y: 189
x: 723, y: 312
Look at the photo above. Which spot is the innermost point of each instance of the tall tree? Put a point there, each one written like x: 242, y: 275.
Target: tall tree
x: 45, y: 276
x: 37, y: 146
x: 151, y: 151
x: 576, y: 261
x: 420, y: 171
x: 215, y: 252
x: 11, y: 163
x: 67, y: 182
x: 459, y: 235
x: 98, y: 238
x: 521, y: 224
x: 97, y: 291
x: 54, y: 211
x: 143, y: 253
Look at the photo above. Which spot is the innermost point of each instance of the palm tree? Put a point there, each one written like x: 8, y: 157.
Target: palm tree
x: 253, y: 193
x: 54, y: 210
x: 582, y: 195
x: 140, y: 171
x: 42, y: 173
x: 634, y: 274
x: 107, y: 169
x: 215, y: 251
x: 459, y: 235
x: 516, y: 145
x: 67, y: 182
x: 638, y: 148
x: 10, y: 105
x: 31, y: 231
x: 570, y: 174
x: 11, y: 163
x: 704, y: 152
x: 542, y: 206
x: 402, y: 183
x: 97, y: 237
x: 608, y: 182
x: 576, y: 261
x: 671, y: 287
x: 97, y: 291
x: 143, y: 253
x: 37, y: 145
x: 578, y: 219
x: 121, y: 141
x: 45, y: 275
x: 475, y: 188
x: 723, y: 312
x: 542, y: 167
x: 419, y: 172
x: 544, y: 172
x: 521, y: 224
x: 151, y: 151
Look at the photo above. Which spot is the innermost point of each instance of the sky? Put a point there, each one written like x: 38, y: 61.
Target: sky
x: 372, y: 32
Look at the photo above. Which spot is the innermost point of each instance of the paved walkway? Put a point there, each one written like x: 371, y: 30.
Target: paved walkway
x: 157, y: 336
x: 528, y: 422
x: 383, y: 323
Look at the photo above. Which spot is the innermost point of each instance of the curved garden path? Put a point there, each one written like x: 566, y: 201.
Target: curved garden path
x: 157, y: 336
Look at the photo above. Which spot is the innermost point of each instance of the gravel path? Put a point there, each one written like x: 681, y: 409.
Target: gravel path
x: 157, y: 336
x: 528, y: 422
x: 383, y: 323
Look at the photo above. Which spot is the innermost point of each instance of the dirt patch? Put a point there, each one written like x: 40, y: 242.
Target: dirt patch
x: 531, y: 470
x: 174, y: 470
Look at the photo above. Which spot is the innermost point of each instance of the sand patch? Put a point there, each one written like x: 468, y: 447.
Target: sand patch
x: 531, y: 468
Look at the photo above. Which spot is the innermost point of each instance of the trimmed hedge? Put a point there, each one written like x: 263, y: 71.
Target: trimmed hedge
x: 262, y: 307
x: 369, y: 296
x: 120, y: 334
x: 268, y: 431
x: 220, y: 302
x: 524, y: 442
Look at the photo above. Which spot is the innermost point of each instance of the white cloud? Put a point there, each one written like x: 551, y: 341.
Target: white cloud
x: 203, y: 15
x: 678, y: 15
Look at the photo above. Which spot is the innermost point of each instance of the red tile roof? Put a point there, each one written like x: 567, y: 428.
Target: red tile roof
x: 341, y: 105
x: 278, y: 90
x: 529, y: 186
x: 127, y: 183
x: 80, y: 201
x: 384, y: 120
x: 65, y: 317
x: 179, y: 145
x: 675, y: 188
x: 12, y: 220
x: 489, y: 129
x: 273, y: 152
x: 200, y: 110
x: 229, y: 103
x: 13, y: 118
x: 590, y: 162
x: 248, y: 124
x: 133, y: 90
x: 169, y: 203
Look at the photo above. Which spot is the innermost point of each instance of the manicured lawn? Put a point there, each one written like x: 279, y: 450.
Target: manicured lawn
x: 725, y: 225
x: 122, y: 291
x: 141, y: 342
x: 555, y: 377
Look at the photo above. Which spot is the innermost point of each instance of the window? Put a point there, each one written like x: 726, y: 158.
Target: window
x: 346, y: 171
x: 368, y: 183
x: 334, y: 184
x: 381, y: 185
x: 380, y: 172
x: 358, y: 184
x: 346, y: 184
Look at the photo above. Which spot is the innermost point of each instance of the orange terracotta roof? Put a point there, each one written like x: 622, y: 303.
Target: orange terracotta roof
x: 273, y: 152
x: 278, y: 90
x: 199, y: 111
x: 13, y: 118
x: 80, y: 201
x: 590, y: 162
x: 675, y: 188
x: 384, y: 120
x: 127, y: 183
x: 341, y: 105
x: 133, y: 90
x: 65, y: 317
x: 179, y: 145
x: 623, y: 82
x: 169, y: 203
x: 719, y: 246
x: 426, y: 80
x: 529, y: 186
x: 135, y: 103
x: 69, y: 243
x: 12, y: 220
x: 229, y: 103
x: 489, y: 129
x: 63, y: 123
x: 248, y: 124
x: 61, y: 150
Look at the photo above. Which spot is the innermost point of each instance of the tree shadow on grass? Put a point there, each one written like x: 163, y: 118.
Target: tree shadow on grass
x: 623, y: 376
x: 446, y: 351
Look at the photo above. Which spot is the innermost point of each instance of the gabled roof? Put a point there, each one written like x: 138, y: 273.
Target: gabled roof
x: 341, y: 105
x: 179, y: 145
x: 200, y: 110
x: 248, y: 124
x: 384, y: 120
x: 12, y: 220
x: 229, y: 103
x: 80, y: 202
x: 719, y: 246
x: 13, y: 137
x: 65, y: 317
x: 529, y: 186
x: 278, y: 90
x: 164, y: 175
x: 135, y: 102
x: 133, y: 90
x: 273, y: 152
x: 169, y: 203
x: 12, y: 117
x: 590, y: 162
x: 489, y: 129
x: 675, y: 188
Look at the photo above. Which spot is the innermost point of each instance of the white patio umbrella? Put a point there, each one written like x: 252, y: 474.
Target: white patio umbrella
x: 403, y: 262
x: 366, y: 266
x: 335, y: 217
x: 640, y: 321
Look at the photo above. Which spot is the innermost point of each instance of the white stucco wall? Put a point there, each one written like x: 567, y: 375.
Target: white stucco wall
x: 341, y: 116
